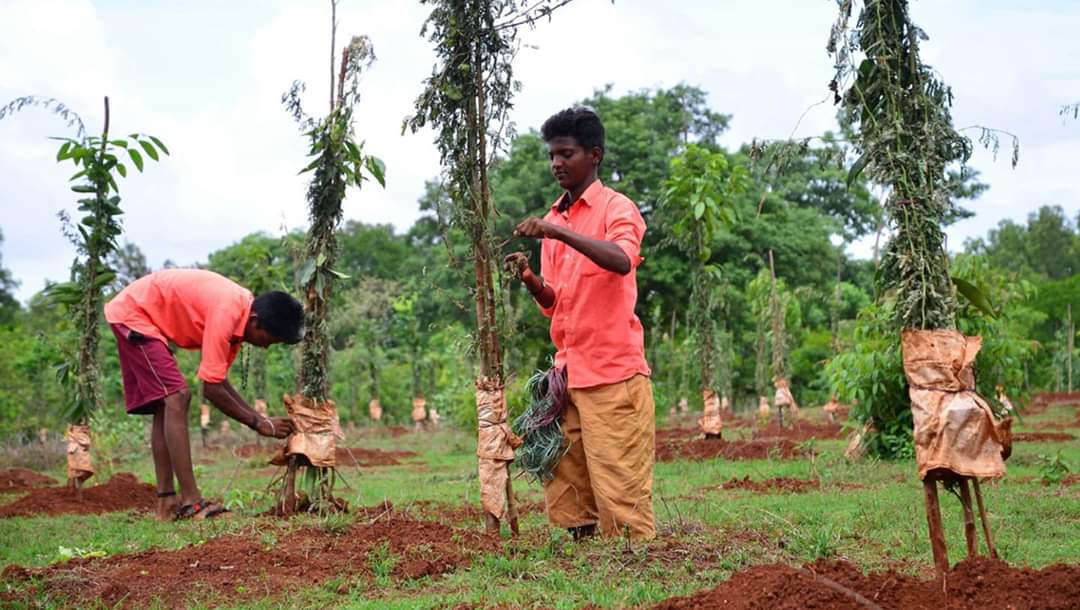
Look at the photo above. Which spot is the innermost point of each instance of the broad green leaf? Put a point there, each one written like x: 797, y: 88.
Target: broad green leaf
x: 136, y: 158
x: 121, y: 169
x: 63, y: 152
x: 975, y: 296
x: 699, y: 210
x: 307, y: 271
x: 159, y: 144
x: 377, y: 169
x: 857, y: 169
x: 339, y: 275
x: 120, y: 143
x: 83, y: 188
x: 149, y: 148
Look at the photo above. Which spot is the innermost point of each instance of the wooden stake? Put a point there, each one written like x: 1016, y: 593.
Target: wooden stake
x: 511, y: 508
x: 982, y: 518
x: 288, y: 503
x: 491, y: 523
x: 937, y: 534
x: 969, y: 519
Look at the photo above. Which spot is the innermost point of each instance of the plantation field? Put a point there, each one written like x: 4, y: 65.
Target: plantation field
x: 414, y: 538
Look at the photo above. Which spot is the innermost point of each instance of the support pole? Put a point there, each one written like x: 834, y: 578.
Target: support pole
x: 937, y: 534
x: 982, y: 517
x: 969, y: 519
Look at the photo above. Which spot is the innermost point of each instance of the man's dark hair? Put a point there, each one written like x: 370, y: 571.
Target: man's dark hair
x: 279, y: 314
x: 579, y: 123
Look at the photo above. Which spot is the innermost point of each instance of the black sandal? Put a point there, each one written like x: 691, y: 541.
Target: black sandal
x: 202, y: 509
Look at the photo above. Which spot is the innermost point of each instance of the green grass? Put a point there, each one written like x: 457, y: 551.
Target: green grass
x: 869, y: 513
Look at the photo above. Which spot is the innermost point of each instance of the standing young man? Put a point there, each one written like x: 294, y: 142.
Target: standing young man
x: 195, y: 309
x: 588, y: 256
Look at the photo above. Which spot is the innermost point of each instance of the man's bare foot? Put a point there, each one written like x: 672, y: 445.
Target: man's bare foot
x: 167, y: 507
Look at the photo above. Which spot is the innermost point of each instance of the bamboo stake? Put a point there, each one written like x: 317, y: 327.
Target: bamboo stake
x: 969, y: 519
x: 982, y: 518
x: 937, y: 534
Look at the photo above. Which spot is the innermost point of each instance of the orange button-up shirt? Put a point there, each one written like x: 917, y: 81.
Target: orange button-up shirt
x: 598, y: 337
x: 193, y: 308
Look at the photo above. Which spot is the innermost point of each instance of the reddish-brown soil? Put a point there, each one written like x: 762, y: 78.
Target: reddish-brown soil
x: 358, y: 456
x: 978, y: 583
x: 123, y: 492
x: 238, y: 568
x: 778, y: 485
x: 252, y: 450
x: 21, y: 479
x: 456, y: 513
x: 705, y: 449
x: 802, y: 430
x: 1036, y: 437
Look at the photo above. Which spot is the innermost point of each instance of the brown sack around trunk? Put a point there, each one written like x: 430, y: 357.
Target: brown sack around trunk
x: 204, y: 415
x: 374, y: 409
x: 955, y: 430
x: 79, y: 466
x: 419, y: 409
x: 317, y: 430
x: 495, y: 446
x: 763, y: 406
x: 261, y: 407
x: 710, y: 422
x: 784, y: 397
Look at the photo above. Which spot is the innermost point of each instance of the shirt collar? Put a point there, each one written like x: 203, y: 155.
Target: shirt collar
x: 591, y: 194
x: 238, y: 332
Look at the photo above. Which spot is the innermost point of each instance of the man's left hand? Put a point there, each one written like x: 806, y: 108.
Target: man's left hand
x: 276, y: 427
x: 536, y: 228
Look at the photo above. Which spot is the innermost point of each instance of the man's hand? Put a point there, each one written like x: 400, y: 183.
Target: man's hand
x: 274, y: 427
x: 516, y: 263
x: 537, y: 229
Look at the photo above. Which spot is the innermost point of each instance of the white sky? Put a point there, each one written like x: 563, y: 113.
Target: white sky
x: 207, y: 77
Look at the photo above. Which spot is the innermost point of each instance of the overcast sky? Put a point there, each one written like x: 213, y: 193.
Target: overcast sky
x: 207, y: 78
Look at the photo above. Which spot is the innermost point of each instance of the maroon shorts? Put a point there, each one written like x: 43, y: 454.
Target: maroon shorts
x: 148, y: 368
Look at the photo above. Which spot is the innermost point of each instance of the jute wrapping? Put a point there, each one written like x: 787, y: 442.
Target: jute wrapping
x: 434, y: 416
x: 710, y: 422
x: 224, y: 426
x: 204, y: 415
x: 494, y: 447
x: 260, y: 407
x: 684, y: 405
x: 955, y: 429
x: 856, y: 447
x: 419, y: 409
x: 317, y: 430
x: 374, y: 409
x: 784, y: 397
x: 724, y: 404
x: 79, y: 466
x: 763, y: 405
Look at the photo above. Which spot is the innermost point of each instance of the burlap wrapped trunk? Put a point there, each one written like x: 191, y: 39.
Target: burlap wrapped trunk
x: 710, y: 422
x: 955, y: 429
x: 261, y: 407
x: 79, y: 465
x: 495, y: 446
x: 374, y: 409
x: 784, y: 397
x: 317, y: 430
x: 204, y: 416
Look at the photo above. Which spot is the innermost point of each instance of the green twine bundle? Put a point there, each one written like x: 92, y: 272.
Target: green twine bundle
x: 538, y: 426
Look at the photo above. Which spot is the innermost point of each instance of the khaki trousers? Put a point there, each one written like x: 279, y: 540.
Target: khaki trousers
x: 606, y: 476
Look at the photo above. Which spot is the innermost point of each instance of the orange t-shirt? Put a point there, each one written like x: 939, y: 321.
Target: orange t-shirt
x: 193, y: 308
x: 598, y: 337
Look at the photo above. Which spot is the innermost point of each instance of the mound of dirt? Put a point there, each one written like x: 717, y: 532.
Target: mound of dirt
x: 1037, y: 437
x: 123, y: 492
x: 705, y: 449
x: 21, y: 479
x: 974, y: 583
x: 802, y: 430
x: 777, y: 485
x: 237, y: 568
x: 358, y: 456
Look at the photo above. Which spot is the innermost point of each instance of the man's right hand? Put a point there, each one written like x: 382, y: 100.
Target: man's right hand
x: 274, y: 427
x: 516, y: 263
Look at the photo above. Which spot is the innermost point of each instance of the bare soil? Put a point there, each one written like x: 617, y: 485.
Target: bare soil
x: 123, y: 492
x: 698, y: 449
x: 238, y: 568
x: 977, y: 583
x: 21, y: 479
x: 801, y: 430
x: 468, y: 513
x: 352, y: 456
x: 777, y: 485
x: 1036, y: 437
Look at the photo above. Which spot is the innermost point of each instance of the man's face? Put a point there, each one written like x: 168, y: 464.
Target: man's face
x: 258, y: 336
x: 570, y: 163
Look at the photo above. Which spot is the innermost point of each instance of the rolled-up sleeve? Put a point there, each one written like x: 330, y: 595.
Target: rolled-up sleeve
x: 625, y: 227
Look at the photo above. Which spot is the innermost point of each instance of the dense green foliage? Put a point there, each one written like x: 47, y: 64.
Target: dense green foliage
x: 416, y: 286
